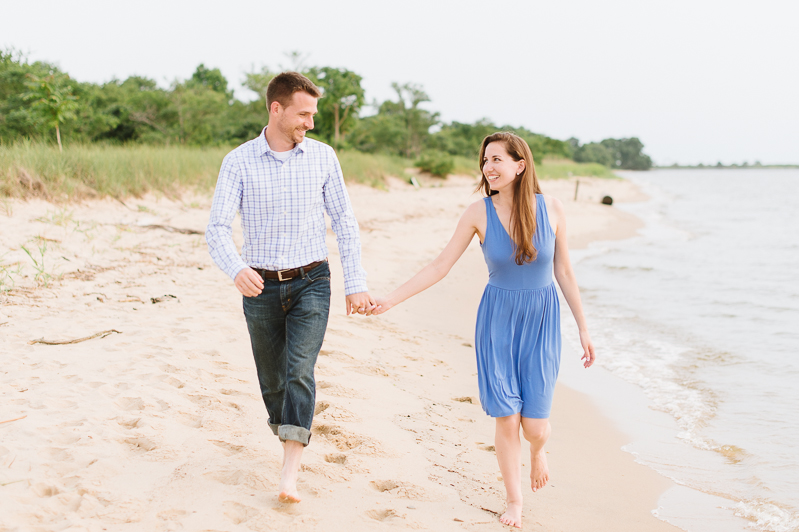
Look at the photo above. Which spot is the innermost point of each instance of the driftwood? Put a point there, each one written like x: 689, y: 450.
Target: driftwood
x: 171, y: 229
x: 15, y: 419
x: 101, y: 334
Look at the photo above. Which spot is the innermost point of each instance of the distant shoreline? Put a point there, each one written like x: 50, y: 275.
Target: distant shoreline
x: 724, y: 167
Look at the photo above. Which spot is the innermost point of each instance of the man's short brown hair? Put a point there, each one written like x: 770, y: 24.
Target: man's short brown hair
x: 284, y: 85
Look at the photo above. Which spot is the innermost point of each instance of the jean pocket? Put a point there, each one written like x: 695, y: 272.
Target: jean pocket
x: 320, y: 273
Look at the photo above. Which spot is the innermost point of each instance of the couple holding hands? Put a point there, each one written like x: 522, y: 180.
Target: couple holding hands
x: 282, y: 183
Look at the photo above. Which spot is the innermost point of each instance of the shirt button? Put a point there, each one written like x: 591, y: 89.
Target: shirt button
x: 285, y: 213
x: 284, y: 189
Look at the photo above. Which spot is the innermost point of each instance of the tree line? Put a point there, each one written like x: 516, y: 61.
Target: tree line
x: 39, y: 101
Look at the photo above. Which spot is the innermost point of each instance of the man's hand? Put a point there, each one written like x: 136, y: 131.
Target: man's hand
x: 360, y: 303
x: 249, y: 283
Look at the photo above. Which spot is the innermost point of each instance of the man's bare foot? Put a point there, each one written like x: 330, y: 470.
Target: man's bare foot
x: 291, y: 471
x: 512, y: 515
x: 288, y: 486
x: 539, y: 474
x: 289, y: 497
x: 288, y: 491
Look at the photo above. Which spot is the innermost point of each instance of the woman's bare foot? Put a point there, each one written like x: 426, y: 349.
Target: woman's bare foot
x: 512, y: 515
x: 539, y: 474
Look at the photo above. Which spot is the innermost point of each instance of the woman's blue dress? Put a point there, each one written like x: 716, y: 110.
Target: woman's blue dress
x: 517, y: 337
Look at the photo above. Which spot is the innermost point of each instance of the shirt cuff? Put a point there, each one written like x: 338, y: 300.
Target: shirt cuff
x: 354, y: 286
x: 236, y: 268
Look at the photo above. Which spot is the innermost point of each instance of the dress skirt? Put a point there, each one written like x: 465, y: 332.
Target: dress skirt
x: 518, y: 345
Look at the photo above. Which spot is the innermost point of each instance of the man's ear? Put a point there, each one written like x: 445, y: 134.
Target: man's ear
x: 275, y: 107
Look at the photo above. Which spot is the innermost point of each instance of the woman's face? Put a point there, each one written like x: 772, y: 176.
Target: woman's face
x: 499, y: 167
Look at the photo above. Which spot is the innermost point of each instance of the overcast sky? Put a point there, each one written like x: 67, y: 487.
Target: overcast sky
x: 696, y: 81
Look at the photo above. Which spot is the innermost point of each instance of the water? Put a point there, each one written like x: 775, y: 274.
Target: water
x: 702, y: 312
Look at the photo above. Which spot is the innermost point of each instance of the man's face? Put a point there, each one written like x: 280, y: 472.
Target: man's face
x: 296, y: 118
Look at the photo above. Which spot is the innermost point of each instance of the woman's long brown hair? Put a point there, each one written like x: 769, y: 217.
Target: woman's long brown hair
x: 525, y: 187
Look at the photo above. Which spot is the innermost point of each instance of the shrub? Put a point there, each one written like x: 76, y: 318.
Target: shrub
x: 436, y: 163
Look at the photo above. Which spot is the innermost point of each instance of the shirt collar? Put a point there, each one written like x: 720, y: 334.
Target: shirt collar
x: 265, y: 145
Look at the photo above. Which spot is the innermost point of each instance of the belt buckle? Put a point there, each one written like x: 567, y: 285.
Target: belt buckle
x: 280, y: 275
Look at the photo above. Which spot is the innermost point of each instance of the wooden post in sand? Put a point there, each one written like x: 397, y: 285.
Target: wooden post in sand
x: 576, y: 188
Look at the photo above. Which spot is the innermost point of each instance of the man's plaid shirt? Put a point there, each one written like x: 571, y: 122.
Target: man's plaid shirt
x: 282, y: 207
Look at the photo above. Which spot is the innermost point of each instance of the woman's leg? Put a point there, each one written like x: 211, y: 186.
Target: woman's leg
x: 537, y: 431
x: 508, y: 449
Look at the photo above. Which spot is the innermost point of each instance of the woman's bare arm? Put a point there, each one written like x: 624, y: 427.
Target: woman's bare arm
x: 564, y: 274
x: 441, y: 265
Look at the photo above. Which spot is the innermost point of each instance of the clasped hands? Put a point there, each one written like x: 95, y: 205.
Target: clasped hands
x: 366, y: 305
x: 250, y: 284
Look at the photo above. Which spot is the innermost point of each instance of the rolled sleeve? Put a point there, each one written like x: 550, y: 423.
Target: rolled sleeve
x: 219, y: 234
x: 338, y: 207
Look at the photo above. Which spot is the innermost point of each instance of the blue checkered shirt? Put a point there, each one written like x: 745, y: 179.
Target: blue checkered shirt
x: 282, y: 208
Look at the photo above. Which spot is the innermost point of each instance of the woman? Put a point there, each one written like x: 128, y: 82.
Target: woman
x: 517, y: 339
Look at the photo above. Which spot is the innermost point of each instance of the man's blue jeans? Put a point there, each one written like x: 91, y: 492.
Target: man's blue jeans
x: 287, y: 324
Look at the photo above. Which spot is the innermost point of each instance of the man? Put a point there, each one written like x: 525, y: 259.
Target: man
x: 281, y: 182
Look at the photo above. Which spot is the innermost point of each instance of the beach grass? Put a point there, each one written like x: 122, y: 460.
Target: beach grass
x: 564, y: 168
x: 96, y: 170
x: 372, y: 168
x: 36, y: 169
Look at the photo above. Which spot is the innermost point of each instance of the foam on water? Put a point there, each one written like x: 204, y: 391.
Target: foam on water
x: 701, y: 312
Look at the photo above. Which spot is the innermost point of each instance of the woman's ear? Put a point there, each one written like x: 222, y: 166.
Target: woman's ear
x: 521, y: 168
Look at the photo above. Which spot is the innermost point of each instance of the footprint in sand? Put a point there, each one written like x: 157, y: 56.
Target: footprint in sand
x: 250, y: 479
x: 371, y: 369
x: 384, y: 515
x: 341, y: 439
x: 239, y: 513
x: 228, y: 448
x: 337, y: 390
x: 336, y: 458
x: 328, y: 412
x: 130, y: 403
x: 335, y: 355
x: 44, y: 490
x: 140, y: 445
x: 400, y: 489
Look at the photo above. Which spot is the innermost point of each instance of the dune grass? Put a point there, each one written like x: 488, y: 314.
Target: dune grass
x: 29, y: 168
x: 372, y: 168
x: 563, y: 169
x: 86, y: 171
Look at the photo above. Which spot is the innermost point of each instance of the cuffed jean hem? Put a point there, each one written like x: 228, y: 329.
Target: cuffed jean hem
x: 294, y: 433
x: 274, y: 428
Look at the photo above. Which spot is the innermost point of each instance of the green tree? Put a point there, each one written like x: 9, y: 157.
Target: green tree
x: 52, y: 97
x: 211, y: 78
x: 594, y: 152
x: 627, y: 154
x: 340, y: 104
x: 407, y: 111
x: 200, y: 114
x: 257, y: 81
x: 17, y: 117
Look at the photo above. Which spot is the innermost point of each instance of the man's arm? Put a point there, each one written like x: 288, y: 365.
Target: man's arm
x: 219, y: 234
x: 338, y: 207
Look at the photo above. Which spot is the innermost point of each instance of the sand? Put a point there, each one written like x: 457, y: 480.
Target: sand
x: 160, y: 426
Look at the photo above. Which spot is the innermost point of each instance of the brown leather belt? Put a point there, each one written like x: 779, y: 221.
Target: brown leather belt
x: 286, y: 275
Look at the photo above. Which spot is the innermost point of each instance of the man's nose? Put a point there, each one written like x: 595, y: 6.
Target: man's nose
x: 309, y: 123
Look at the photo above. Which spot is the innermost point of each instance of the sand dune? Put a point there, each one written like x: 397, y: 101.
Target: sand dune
x: 161, y: 426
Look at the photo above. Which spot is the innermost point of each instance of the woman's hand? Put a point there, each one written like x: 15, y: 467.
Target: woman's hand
x: 381, y: 305
x: 588, y: 349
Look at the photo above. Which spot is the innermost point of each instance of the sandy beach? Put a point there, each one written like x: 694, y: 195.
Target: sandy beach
x: 159, y: 425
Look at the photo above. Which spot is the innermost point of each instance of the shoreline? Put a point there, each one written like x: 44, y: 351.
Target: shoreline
x: 162, y: 424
